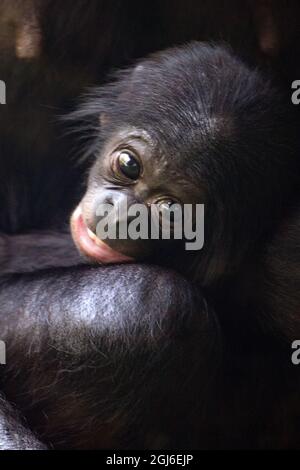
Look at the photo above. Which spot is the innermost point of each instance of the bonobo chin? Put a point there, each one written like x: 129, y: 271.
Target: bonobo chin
x: 188, y: 127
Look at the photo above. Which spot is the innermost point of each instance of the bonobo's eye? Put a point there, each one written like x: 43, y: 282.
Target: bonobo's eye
x: 170, y: 210
x: 166, y: 205
x: 129, y: 165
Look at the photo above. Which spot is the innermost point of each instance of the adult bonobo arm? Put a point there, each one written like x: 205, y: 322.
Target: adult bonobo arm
x: 108, y: 357
x: 13, y: 433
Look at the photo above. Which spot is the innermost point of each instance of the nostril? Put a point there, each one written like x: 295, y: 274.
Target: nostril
x: 110, y: 208
x: 104, y: 201
x: 109, y: 200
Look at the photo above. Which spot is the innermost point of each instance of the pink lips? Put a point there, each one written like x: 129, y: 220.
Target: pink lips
x: 90, y: 245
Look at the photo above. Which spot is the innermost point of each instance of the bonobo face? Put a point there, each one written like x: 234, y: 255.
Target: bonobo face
x: 190, y: 125
x: 131, y: 169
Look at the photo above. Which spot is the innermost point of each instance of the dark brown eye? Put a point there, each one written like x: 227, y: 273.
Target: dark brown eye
x: 129, y: 165
x: 170, y: 210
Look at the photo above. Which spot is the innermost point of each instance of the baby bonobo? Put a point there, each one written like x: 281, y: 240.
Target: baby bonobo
x: 186, y: 127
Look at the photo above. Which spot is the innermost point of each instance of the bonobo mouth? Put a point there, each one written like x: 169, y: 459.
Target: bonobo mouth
x: 91, y: 246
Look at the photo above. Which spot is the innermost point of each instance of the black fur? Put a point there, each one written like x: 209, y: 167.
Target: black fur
x: 228, y: 136
x: 114, y: 359
x: 92, y: 382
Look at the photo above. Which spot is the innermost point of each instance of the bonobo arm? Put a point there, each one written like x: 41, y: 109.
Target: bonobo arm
x: 107, y: 357
x: 13, y: 433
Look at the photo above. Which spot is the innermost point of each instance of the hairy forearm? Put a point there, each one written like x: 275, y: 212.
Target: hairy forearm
x: 100, y: 350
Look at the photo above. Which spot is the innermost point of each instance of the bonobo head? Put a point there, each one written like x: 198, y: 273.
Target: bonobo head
x: 190, y: 125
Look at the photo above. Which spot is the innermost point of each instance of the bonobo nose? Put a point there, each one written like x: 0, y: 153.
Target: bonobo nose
x: 110, y: 209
